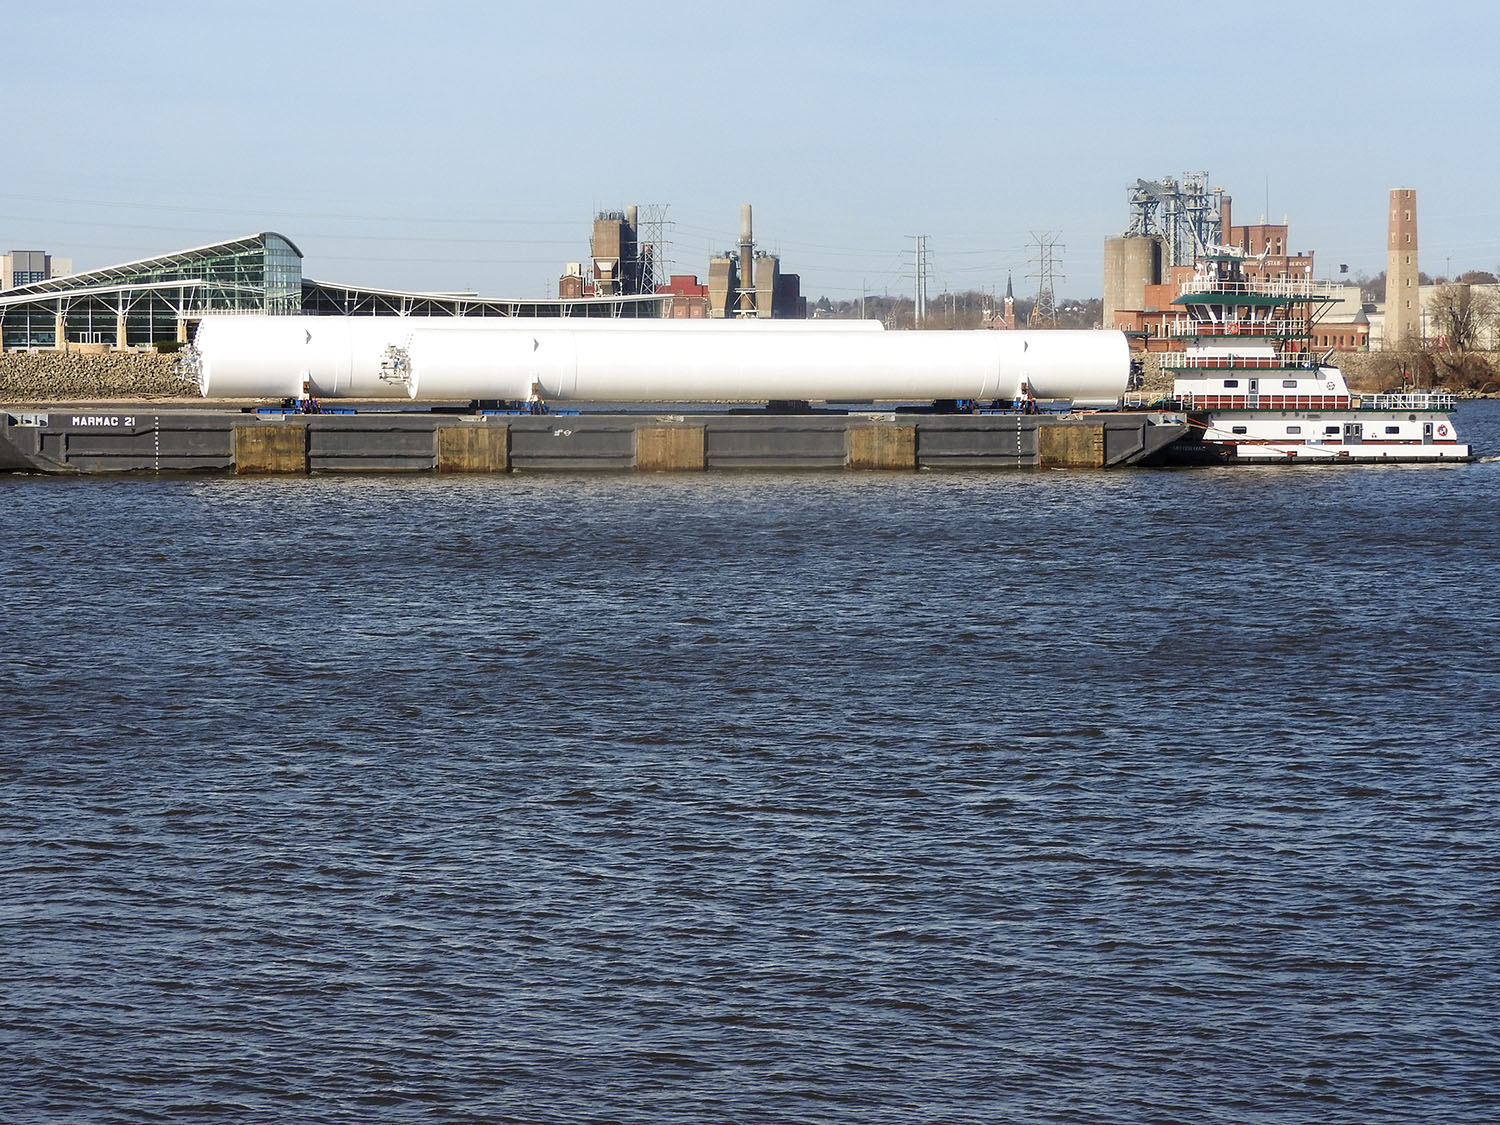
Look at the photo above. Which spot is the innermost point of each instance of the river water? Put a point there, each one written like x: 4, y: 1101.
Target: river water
x: 1059, y: 796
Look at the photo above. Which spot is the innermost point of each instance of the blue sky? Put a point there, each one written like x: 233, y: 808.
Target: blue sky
x: 468, y: 145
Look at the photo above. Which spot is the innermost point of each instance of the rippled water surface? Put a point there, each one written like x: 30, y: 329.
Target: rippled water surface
x: 1065, y: 796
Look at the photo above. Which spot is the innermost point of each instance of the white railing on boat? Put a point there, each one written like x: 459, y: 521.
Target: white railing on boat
x: 1223, y: 400
x: 1261, y: 361
x: 1338, y: 399
x: 1408, y: 400
x: 1184, y: 326
x: 1289, y: 288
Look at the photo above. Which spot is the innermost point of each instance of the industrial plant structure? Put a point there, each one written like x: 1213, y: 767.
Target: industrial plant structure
x: 626, y: 259
x: 1175, y: 225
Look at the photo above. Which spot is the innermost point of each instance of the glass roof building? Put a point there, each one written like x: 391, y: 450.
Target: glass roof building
x: 150, y: 301
x: 153, y: 301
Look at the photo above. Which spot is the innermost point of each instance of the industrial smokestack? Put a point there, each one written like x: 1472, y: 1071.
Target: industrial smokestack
x: 746, y: 305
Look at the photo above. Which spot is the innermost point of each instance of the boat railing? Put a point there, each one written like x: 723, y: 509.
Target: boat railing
x: 1223, y: 400
x: 1290, y: 288
x: 1409, y: 400
x: 1281, y: 326
x: 1259, y: 361
x: 1336, y: 399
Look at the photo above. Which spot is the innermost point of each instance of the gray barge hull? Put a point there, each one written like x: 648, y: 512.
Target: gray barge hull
x: 142, y: 438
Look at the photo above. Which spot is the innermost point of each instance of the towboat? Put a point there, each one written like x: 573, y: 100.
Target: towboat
x: 1253, y: 391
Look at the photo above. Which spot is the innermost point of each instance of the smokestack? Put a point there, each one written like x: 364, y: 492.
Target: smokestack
x: 631, y: 249
x: 747, y: 266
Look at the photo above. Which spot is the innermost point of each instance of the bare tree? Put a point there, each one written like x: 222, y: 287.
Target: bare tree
x: 1462, y: 318
x: 1371, y: 288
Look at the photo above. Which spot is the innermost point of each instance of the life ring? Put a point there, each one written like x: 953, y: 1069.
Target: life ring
x: 1442, y: 431
x: 1330, y: 384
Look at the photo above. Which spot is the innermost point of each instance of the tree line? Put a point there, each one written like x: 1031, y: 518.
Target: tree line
x: 971, y: 308
x: 1372, y: 286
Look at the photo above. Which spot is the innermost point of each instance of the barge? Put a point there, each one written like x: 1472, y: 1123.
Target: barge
x: 97, y: 437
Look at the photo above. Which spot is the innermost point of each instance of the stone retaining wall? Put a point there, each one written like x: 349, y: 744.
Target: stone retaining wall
x: 1155, y: 382
x: 44, y: 376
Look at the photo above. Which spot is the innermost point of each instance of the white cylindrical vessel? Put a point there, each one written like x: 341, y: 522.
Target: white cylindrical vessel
x: 1087, y: 368
x: 286, y: 356
x: 511, y: 359
x: 506, y: 365
x: 251, y: 356
x: 759, y: 366
x: 645, y: 323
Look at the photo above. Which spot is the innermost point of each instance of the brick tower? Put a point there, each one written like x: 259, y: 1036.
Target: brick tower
x: 1403, y: 307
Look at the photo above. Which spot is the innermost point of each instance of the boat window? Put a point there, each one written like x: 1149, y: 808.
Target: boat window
x: 1393, y: 429
x: 1231, y: 383
x: 1241, y: 429
x: 1330, y: 429
x: 1289, y: 383
x: 1294, y: 429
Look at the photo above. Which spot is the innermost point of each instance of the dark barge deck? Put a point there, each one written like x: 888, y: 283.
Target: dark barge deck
x: 116, y: 437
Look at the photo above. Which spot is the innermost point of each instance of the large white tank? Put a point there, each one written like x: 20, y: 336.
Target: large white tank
x: 506, y: 365
x: 1088, y: 368
x: 641, y: 323
x: 753, y: 367
x: 281, y: 356
x: 511, y: 359
x: 254, y: 356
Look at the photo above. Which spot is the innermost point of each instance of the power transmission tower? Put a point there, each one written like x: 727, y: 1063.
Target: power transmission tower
x: 1044, y: 312
x: 653, y: 229
x: 919, y: 271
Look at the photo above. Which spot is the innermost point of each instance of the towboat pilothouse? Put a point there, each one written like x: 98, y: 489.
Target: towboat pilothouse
x: 1253, y: 391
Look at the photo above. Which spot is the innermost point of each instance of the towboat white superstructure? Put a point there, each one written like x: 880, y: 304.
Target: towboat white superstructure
x: 1253, y: 391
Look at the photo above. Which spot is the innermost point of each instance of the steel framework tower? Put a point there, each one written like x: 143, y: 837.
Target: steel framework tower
x: 1044, y: 311
x: 653, y: 232
x: 1186, y: 216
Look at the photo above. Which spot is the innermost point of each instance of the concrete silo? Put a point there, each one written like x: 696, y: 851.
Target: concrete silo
x: 1131, y: 262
